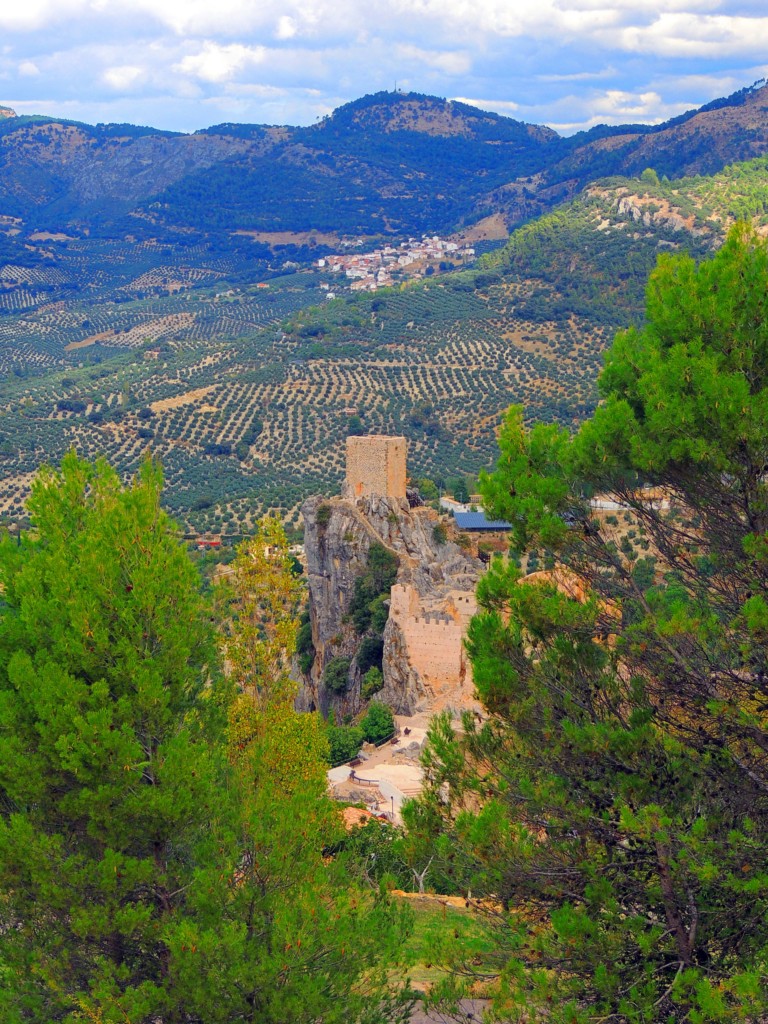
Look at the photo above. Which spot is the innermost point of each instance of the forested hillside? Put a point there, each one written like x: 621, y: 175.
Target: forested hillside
x: 387, y: 163
x: 248, y: 396
x: 589, y: 845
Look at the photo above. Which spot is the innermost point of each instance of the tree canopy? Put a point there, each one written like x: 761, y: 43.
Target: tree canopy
x: 618, y: 790
x: 106, y: 755
x: 162, y: 833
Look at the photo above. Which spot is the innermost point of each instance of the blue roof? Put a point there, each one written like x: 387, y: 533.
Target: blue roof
x: 477, y: 521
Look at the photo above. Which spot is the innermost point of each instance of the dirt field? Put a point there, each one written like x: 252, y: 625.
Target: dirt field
x: 489, y: 229
x: 89, y: 341
x: 178, y: 400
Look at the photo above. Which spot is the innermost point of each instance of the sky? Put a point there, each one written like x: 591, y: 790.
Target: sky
x: 188, y: 64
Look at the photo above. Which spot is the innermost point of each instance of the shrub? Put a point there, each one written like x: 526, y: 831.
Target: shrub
x: 379, y: 609
x: 344, y: 741
x: 323, y: 516
x: 379, y: 723
x: 439, y: 533
x: 373, y: 681
x: 305, y: 649
x: 217, y: 449
x: 373, y: 584
x: 336, y: 675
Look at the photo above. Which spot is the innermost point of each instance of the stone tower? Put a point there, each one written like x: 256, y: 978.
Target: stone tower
x: 375, y: 465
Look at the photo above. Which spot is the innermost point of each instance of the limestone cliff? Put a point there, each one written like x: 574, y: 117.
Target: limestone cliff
x: 7, y: 112
x: 424, y: 663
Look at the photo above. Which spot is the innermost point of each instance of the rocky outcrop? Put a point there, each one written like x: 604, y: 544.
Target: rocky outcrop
x: 7, y: 112
x: 337, y: 540
x: 652, y: 212
x: 431, y: 601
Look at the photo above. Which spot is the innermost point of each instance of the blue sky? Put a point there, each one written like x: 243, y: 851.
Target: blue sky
x: 186, y: 64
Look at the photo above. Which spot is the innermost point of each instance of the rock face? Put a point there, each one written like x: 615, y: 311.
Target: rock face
x: 7, y: 112
x: 424, y: 663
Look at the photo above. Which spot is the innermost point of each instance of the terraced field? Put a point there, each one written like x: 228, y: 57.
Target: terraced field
x: 118, y: 363
x: 244, y: 380
x: 249, y: 413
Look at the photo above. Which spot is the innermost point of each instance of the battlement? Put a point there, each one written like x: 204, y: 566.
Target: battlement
x: 376, y: 465
x: 437, y: 620
x: 434, y: 635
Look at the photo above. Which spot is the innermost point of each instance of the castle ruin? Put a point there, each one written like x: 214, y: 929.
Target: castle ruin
x: 433, y: 630
x: 375, y: 465
x: 424, y: 665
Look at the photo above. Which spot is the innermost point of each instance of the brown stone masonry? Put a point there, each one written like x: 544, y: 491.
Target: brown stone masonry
x: 376, y: 465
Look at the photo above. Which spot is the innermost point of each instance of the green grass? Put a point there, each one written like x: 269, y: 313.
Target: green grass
x: 444, y: 937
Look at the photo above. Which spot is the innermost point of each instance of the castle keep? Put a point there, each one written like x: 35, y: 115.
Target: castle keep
x: 375, y: 465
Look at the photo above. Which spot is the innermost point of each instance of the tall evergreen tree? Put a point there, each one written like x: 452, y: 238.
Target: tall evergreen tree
x: 622, y: 771
x: 107, y: 775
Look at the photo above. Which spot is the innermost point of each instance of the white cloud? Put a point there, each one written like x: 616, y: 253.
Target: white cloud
x: 286, y: 28
x: 616, y: 103
x: 543, y: 57
x: 123, y: 78
x: 692, y: 35
x: 251, y: 90
x: 35, y: 14
x: 614, y: 106
x: 579, y: 76
x: 231, y: 18
x: 498, y: 106
x: 217, y: 63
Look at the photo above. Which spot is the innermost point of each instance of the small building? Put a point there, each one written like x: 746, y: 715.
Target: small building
x: 477, y: 521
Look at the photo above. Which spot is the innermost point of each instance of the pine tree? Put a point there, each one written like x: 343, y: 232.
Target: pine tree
x: 622, y: 772
x: 106, y: 767
x: 162, y: 843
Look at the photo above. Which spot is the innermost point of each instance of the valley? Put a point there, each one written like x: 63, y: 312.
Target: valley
x: 125, y: 328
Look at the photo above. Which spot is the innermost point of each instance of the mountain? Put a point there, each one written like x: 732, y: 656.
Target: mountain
x: 703, y: 141
x: 157, y: 290
x: 247, y: 392
x: 390, y: 163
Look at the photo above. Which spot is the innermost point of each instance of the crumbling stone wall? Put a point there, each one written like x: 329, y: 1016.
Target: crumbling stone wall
x: 375, y: 465
x: 433, y: 635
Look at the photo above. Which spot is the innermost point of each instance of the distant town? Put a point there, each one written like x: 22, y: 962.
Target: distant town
x: 371, y: 270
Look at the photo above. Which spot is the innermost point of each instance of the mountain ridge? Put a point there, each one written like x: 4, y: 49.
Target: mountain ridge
x: 386, y: 163
x: 177, y: 323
